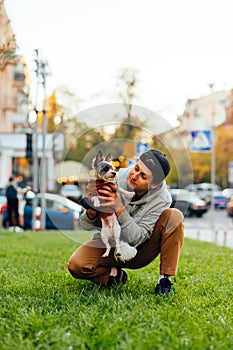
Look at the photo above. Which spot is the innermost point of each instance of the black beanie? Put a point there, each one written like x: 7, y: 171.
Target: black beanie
x: 158, y: 164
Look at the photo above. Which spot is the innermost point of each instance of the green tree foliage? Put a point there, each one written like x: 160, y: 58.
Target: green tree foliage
x: 181, y: 173
x: 157, y: 143
x: 224, y: 154
x: 201, y: 162
x: 81, y: 140
x: 130, y: 131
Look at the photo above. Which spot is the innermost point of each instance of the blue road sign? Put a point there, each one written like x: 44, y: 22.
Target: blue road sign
x: 141, y: 148
x: 201, y: 141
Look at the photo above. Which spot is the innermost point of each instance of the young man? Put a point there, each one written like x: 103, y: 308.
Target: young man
x: 147, y: 222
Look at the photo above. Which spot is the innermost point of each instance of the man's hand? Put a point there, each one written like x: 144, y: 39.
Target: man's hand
x: 93, y: 191
x: 109, y: 199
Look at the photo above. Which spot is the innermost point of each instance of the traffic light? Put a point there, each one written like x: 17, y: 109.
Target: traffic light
x: 29, y: 146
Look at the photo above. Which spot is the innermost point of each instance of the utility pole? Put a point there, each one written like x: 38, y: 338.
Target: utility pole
x: 35, y: 141
x: 213, y: 160
x: 41, y: 75
x: 44, y: 73
x: 213, y: 154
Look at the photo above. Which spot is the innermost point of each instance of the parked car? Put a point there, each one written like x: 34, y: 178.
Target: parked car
x: 191, y: 187
x: 71, y: 192
x: 203, y: 190
x: 219, y: 200
x: 228, y: 192
x: 3, y: 201
x: 188, y: 203
x: 60, y: 212
x: 230, y: 206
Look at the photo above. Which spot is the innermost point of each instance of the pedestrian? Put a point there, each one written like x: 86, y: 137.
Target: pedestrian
x: 147, y: 222
x: 12, y: 204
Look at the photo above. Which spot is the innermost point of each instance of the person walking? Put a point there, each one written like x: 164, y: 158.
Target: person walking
x: 147, y: 223
x: 12, y: 204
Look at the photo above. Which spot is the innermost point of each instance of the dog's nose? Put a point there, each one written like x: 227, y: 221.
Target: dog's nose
x: 113, y: 173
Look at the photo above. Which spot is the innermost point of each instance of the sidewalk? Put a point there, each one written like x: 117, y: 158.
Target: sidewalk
x: 216, y: 228
x: 220, y: 237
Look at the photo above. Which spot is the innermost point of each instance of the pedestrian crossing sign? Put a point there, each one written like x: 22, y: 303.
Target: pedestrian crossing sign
x: 201, y: 141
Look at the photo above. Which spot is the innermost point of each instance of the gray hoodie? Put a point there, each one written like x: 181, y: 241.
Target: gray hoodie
x: 138, y: 220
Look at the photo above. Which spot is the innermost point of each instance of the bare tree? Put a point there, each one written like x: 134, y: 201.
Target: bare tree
x: 7, y: 52
x: 127, y: 84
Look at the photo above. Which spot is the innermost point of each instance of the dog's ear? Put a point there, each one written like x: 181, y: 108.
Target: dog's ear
x: 108, y: 158
x: 99, y: 158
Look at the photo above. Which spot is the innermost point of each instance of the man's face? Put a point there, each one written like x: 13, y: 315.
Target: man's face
x: 140, y: 178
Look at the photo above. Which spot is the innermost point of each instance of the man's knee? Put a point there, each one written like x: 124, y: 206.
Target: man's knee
x: 174, y: 212
x: 74, y: 267
x: 173, y: 220
x: 80, y: 268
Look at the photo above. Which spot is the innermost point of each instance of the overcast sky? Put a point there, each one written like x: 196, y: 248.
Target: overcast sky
x: 178, y: 47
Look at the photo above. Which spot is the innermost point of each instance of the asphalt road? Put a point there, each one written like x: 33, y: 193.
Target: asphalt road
x: 214, y: 226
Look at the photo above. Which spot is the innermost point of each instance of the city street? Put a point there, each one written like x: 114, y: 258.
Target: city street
x: 215, y: 226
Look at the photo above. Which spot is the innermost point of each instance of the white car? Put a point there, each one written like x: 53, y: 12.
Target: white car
x: 61, y: 213
x: 227, y: 192
x: 70, y: 191
x: 59, y: 202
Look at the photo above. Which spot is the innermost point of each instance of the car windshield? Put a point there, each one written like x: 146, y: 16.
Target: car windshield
x: 70, y: 189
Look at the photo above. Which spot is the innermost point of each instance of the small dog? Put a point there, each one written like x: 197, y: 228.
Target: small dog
x: 105, y: 171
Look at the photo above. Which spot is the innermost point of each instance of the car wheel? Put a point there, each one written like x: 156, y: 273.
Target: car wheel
x: 199, y: 215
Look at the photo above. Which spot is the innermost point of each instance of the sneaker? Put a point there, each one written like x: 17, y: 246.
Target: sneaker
x: 120, y: 278
x: 18, y: 229
x: 164, y: 287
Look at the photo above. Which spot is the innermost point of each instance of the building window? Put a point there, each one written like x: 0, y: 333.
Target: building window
x: 19, y: 73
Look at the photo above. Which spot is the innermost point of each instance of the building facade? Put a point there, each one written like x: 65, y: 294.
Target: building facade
x: 14, y: 112
x: 204, y: 113
x: 14, y: 80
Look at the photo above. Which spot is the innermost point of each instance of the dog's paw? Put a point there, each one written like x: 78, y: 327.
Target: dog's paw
x: 106, y: 254
x: 117, y: 254
x: 127, y: 252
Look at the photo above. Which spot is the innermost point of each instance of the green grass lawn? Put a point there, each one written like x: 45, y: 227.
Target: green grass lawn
x: 43, y: 307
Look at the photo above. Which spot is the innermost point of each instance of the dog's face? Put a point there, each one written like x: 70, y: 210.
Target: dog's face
x: 103, y: 168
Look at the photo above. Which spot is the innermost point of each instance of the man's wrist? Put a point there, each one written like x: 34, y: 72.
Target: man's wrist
x: 119, y: 212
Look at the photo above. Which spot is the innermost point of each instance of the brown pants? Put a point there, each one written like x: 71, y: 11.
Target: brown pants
x: 167, y: 239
